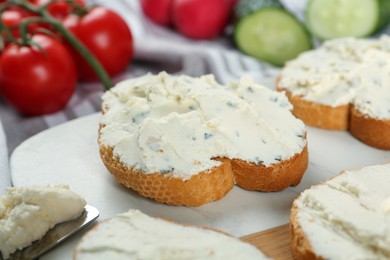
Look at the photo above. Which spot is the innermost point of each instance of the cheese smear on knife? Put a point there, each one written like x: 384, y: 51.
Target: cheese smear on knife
x: 177, y: 124
x: 27, y: 213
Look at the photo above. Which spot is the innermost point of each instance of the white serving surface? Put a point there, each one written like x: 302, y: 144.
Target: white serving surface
x: 69, y: 154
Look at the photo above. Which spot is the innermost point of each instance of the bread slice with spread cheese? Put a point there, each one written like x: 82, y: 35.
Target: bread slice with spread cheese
x: 134, y: 235
x: 186, y: 141
x: 344, y: 84
x: 347, y: 217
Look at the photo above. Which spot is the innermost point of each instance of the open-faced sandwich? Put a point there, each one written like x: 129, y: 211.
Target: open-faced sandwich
x: 347, y: 217
x: 344, y: 84
x: 186, y: 141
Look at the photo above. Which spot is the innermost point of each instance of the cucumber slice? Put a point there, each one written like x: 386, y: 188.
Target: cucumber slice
x: 271, y: 34
x: 245, y: 7
x: 328, y: 19
x: 384, y: 8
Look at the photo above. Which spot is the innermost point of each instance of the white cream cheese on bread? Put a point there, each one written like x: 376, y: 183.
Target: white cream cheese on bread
x: 348, y: 217
x: 134, y: 235
x: 27, y: 213
x: 177, y: 124
x: 344, y: 71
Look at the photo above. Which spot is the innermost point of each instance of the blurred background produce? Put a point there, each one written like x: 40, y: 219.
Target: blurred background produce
x: 266, y: 29
x: 329, y: 19
x: 106, y: 36
x: 48, y: 45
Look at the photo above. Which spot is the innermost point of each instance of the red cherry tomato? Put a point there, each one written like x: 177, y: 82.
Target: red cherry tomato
x: 37, y: 82
x: 107, y: 36
x: 12, y: 17
x: 59, y: 9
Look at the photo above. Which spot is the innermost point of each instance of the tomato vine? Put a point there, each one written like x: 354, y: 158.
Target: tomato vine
x: 41, y: 15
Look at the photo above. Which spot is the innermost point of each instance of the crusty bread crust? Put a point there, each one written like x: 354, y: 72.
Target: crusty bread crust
x: 276, y: 177
x: 209, y: 185
x: 319, y: 115
x: 201, y: 188
x: 372, y: 131
x: 300, y: 245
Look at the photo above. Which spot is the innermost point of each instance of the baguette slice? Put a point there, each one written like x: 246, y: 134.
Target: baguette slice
x: 202, y: 188
x: 372, y: 131
x: 134, y: 235
x: 276, y: 177
x: 210, y: 185
x: 342, y: 85
x: 213, y: 184
x: 346, y: 217
x: 319, y: 115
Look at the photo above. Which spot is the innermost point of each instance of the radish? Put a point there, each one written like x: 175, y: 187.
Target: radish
x: 159, y: 11
x: 201, y: 19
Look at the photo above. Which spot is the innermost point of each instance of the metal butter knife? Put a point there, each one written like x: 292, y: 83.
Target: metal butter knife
x: 56, y: 235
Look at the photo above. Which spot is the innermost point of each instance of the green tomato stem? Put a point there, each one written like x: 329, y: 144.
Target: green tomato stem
x: 81, y: 49
x: 70, y: 37
x: 8, y: 35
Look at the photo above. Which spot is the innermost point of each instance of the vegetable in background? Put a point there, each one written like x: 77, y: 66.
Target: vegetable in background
x: 11, y: 17
x: 201, y: 19
x: 59, y: 9
x: 37, y: 72
x: 107, y: 37
x: 267, y: 31
x: 37, y: 81
x: 196, y: 19
x: 158, y: 11
x: 328, y: 19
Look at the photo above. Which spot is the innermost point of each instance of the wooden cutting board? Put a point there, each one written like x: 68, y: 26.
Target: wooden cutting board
x: 274, y: 242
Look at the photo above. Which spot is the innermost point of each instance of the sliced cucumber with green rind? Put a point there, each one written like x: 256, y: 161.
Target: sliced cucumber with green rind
x: 245, y: 7
x: 328, y: 19
x: 273, y: 35
x: 384, y: 17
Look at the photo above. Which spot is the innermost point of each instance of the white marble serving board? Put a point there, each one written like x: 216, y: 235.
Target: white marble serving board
x: 69, y: 154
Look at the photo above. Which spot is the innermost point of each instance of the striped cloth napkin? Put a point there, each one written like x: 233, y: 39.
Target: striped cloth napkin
x: 156, y: 49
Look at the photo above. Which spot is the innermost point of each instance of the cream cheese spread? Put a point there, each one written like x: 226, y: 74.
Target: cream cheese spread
x: 27, y: 213
x: 177, y: 124
x: 344, y: 71
x: 348, y: 217
x: 134, y: 235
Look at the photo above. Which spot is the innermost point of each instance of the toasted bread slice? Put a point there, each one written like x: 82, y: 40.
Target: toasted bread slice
x: 276, y: 177
x: 343, y: 218
x: 372, y: 131
x: 134, y: 235
x: 202, y: 188
x: 300, y: 245
x: 319, y: 115
x: 171, y: 186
